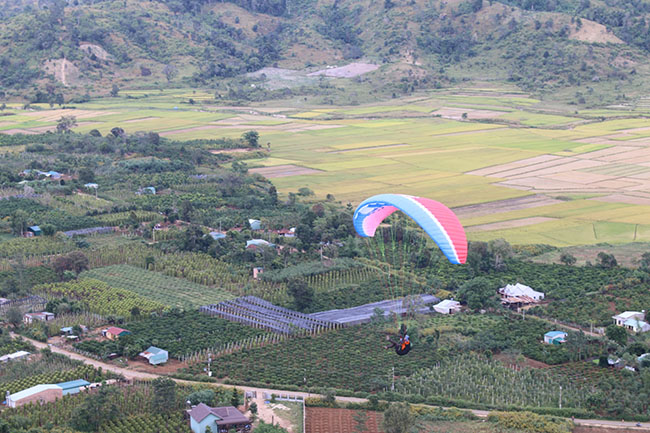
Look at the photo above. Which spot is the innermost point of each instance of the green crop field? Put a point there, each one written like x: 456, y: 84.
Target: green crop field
x: 175, y: 292
x: 419, y: 145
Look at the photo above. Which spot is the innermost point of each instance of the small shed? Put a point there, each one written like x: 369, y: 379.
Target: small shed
x: 43, y: 393
x: 155, y: 355
x: 35, y: 230
x: 255, y: 224
x: 448, y: 306
x: 555, y: 337
x: 73, y: 386
x: 43, y: 316
x: 113, y: 333
x: 13, y: 356
x: 256, y: 243
x: 217, y: 235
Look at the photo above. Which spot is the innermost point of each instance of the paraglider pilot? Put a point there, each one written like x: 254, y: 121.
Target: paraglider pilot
x: 403, y: 346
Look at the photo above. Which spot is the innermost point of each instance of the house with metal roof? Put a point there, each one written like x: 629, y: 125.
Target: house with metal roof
x: 43, y: 316
x: 555, y: 337
x: 448, y: 306
x: 43, y: 393
x: 113, y: 333
x: 155, y: 355
x: 256, y: 243
x: 219, y: 419
x: 255, y: 224
x: 636, y: 325
x: 35, y: 230
x: 632, y: 321
x: 13, y: 356
x: 73, y: 386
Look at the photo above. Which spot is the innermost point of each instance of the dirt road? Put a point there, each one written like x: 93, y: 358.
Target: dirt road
x: 130, y: 374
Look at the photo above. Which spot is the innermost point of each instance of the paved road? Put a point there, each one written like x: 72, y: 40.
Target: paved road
x: 131, y: 374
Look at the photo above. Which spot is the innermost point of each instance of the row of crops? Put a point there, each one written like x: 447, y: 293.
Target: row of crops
x: 122, y: 218
x: 167, y: 423
x: 34, y: 247
x: 11, y: 345
x: 99, y: 297
x: 474, y: 378
x: 14, y: 371
x: 161, y: 288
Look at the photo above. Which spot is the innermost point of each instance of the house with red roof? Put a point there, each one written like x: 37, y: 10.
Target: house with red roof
x: 219, y: 419
x: 113, y: 333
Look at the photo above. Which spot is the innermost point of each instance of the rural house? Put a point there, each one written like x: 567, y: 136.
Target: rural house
x: 632, y: 321
x: 555, y: 337
x: 256, y: 243
x: 219, y: 419
x: 448, y: 306
x: 43, y: 393
x: 155, y: 355
x: 43, y: 316
x: 517, y: 295
x: 35, y: 230
x: 12, y: 356
x: 113, y: 333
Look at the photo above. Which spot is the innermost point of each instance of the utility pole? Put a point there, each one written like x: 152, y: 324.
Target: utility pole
x: 392, y: 385
x: 560, y: 396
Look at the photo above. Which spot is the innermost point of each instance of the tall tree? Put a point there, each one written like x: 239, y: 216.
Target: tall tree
x: 66, y: 123
x: 398, y: 418
x: 19, y: 222
x: 164, y: 394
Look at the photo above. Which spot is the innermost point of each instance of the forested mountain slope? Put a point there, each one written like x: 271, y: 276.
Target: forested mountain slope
x: 54, y: 47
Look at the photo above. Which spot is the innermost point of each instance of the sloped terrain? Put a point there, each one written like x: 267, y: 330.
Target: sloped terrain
x: 88, y: 47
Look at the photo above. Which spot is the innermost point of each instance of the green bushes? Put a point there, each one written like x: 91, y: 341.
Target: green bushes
x: 531, y: 422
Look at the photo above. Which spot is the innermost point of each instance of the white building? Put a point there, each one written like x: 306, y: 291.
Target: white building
x: 13, y: 356
x: 448, y: 306
x: 521, y: 290
x: 632, y: 321
x: 36, y: 394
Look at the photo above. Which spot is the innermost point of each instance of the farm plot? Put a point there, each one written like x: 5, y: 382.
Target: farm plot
x: 99, y: 297
x: 259, y: 313
x: 171, y: 291
x: 328, y: 420
x: 188, y: 332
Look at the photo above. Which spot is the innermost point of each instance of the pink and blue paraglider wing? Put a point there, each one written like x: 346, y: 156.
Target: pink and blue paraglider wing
x: 436, y: 219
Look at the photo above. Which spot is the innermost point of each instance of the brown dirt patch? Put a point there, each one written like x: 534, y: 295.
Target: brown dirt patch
x: 482, y: 209
x: 283, y: 171
x: 98, y: 51
x: 527, y: 362
x: 171, y: 366
x: 510, y: 224
x: 328, y: 420
x: 17, y: 131
x: 594, y: 33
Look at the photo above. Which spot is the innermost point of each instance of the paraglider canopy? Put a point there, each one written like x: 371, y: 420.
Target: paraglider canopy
x: 436, y: 219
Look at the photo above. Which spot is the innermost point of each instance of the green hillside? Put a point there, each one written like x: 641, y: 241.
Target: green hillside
x: 583, y: 52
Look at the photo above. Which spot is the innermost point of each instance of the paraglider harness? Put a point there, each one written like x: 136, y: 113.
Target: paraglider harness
x: 404, y: 345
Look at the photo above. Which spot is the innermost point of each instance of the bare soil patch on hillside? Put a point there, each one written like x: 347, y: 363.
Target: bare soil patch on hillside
x: 283, y: 171
x: 347, y: 71
x: 593, y: 32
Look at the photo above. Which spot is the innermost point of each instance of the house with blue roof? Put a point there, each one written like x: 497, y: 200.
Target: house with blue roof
x: 155, y: 355
x: 555, y: 337
x: 35, y: 230
x: 72, y: 386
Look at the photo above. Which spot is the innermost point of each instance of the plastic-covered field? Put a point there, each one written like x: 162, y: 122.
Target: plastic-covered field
x: 363, y: 313
x: 256, y: 312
